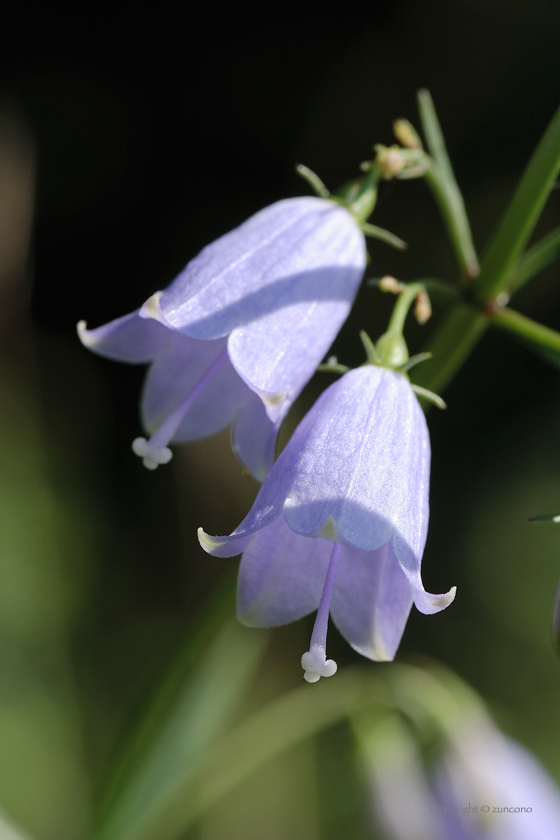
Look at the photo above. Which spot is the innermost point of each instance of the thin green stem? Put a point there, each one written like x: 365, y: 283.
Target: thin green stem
x: 535, y: 260
x: 403, y: 304
x: 525, y: 328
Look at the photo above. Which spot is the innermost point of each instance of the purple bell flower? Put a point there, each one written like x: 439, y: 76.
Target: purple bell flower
x: 237, y: 335
x: 354, y: 478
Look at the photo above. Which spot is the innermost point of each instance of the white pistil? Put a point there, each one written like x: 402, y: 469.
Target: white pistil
x: 316, y: 665
x: 151, y: 456
x: 315, y: 662
x: 155, y: 450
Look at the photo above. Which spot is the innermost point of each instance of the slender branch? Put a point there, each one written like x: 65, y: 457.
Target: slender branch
x: 541, y: 338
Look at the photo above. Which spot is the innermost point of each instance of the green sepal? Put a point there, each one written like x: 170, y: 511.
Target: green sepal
x: 415, y: 360
x: 430, y: 396
x: 376, y: 232
x: 313, y: 180
x: 372, y: 355
x: 334, y: 368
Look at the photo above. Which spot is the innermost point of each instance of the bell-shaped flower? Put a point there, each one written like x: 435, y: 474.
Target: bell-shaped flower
x: 481, y: 785
x: 340, y: 523
x: 237, y: 335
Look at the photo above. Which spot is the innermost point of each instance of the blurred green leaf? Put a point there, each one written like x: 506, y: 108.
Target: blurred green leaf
x: 9, y: 831
x: 268, y: 733
x: 205, y: 706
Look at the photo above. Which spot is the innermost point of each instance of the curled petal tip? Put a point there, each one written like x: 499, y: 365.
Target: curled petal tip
x: 152, y: 308
x: 84, y: 334
x: 208, y: 542
x: 435, y: 603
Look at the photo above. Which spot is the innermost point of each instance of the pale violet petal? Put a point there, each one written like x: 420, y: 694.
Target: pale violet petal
x: 281, y: 576
x: 371, y: 601
x: 222, y: 288
x: 410, y: 562
x: 266, y: 508
x: 127, y: 339
x: 281, y: 285
x: 357, y: 474
x: 254, y: 438
x: 173, y: 376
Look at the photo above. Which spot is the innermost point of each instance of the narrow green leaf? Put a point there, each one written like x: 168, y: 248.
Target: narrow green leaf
x: 201, y: 712
x: 284, y: 723
x: 518, y: 223
x: 433, y: 133
x: 535, y: 261
x: 441, y: 180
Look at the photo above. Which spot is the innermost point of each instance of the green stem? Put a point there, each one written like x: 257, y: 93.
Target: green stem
x: 403, y: 304
x: 527, y: 329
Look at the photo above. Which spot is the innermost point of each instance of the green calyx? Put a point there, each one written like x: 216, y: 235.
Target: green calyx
x: 358, y: 197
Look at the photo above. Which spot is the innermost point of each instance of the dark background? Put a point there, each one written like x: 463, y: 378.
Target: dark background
x: 154, y: 135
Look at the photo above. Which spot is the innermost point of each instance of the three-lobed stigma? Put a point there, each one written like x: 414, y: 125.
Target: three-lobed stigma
x: 316, y: 665
x: 152, y: 456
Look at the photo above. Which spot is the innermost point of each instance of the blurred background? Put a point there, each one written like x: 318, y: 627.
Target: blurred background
x: 124, y: 149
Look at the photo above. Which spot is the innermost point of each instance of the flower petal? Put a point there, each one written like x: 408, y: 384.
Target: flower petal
x: 174, y: 374
x: 281, y: 576
x: 254, y: 438
x: 371, y: 601
x: 410, y: 564
x: 127, y: 339
x: 266, y: 508
x: 282, y: 284
x: 360, y: 463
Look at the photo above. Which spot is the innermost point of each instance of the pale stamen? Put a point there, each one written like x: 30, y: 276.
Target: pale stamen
x: 315, y: 662
x: 155, y: 450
